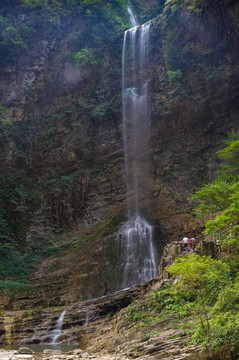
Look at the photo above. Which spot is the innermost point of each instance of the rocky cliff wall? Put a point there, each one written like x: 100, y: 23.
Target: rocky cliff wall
x: 63, y: 152
x: 194, y: 105
x: 62, y: 149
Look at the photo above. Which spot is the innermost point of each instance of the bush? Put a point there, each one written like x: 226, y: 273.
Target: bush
x: 84, y: 57
x: 175, y: 76
x: 12, y: 287
x: 220, y: 199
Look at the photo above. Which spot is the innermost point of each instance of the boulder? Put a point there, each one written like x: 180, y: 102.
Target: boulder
x: 52, y: 352
x: 84, y: 355
x: 75, y: 352
x: 25, y: 350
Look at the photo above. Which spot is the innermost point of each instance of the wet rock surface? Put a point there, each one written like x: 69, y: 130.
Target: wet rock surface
x: 81, y: 320
x: 102, y: 329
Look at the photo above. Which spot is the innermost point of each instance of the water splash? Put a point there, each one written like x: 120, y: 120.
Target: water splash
x: 135, y: 245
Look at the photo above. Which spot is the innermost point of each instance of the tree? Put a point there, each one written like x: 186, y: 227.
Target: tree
x: 85, y: 56
x: 220, y: 199
x: 203, y: 275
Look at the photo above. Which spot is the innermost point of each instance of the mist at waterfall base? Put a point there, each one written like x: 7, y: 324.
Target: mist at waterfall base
x: 136, y: 254
x: 135, y: 245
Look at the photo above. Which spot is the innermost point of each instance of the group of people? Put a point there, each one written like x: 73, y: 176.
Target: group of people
x: 188, y: 243
x: 216, y: 239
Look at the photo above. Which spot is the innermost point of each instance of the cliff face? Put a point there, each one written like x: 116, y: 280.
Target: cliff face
x: 194, y: 105
x: 62, y: 148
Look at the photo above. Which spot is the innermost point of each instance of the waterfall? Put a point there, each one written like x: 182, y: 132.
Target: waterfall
x: 56, y: 332
x: 135, y: 243
x: 133, y: 19
x: 87, y: 318
x: 135, y: 250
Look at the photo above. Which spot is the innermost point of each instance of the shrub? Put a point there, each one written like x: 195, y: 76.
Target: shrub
x: 175, y: 76
x: 84, y: 57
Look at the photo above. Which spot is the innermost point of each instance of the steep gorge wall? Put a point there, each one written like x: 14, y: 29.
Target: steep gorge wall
x: 195, y: 97
x: 65, y: 149
x: 67, y: 141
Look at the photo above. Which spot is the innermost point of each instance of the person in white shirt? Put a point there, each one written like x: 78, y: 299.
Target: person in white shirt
x: 185, y: 242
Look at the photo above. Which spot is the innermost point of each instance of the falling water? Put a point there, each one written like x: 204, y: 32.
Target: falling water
x: 56, y: 333
x: 135, y: 247
x: 87, y: 318
x: 133, y: 19
x: 135, y: 242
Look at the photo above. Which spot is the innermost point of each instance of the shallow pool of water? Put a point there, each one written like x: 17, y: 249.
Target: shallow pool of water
x: 40, y: 347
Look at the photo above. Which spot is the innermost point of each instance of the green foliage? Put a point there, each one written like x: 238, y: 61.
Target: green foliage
x: 221, y: 197
x: 146, y: 10
x: 185, y: 50
x: 171, y: 49
x: 6, y: 126
x: 203, y: 298
x: 113, y: 11
x: 201, y: 274
x: 216, y: 311
x: 215, y: 197
x: 194, y: 5
x: 230, y: 155
x: 133, y: 314
x: 12, y: 287
x: 96, y: 108
x: 175, y: 76
x: 224, y: 320
x: 167, y: 301
x: 4, y: 112
x: 98, y: 20
x: 17, y: 193
x: 228, y: 299
x: 171, y: 5
x: 84, y: 57
x: 14, y: 39
x: 137, y: 313
x: 58, y: 181
x: 224, y: 330
x: 181, y: 50
x: 14, y: 265
x: 197, y: 5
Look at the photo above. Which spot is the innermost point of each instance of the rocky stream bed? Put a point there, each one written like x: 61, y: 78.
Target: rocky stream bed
x: 108, y: 332
x: 48, y: 354
x: 163, y: 349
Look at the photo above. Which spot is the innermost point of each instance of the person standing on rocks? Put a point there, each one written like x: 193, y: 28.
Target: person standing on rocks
x: 185, y: 242
x: 191, y: 243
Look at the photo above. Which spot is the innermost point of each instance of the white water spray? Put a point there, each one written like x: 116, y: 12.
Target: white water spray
x: 56, y: 332
x: 136, y: 238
